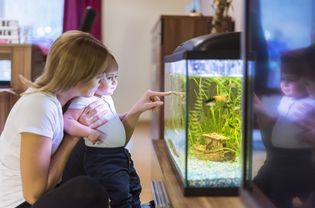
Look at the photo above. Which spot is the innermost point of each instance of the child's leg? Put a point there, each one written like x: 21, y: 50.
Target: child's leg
x: 117, y: 187
x: 110, y: 166
x: 135, y: 185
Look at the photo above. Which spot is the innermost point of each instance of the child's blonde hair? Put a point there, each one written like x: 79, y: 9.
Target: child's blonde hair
x: 112, y: 63
x: 75, y: 57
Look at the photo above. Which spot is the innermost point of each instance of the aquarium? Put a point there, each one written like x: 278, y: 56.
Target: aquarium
x: 203, y: 115
x: 279, y: 104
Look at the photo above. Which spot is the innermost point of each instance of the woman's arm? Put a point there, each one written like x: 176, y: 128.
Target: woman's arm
x: 39, y: 171
x: 149, y: 101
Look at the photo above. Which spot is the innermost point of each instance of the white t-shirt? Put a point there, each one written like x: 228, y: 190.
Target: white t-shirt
x: 113, y: 131
x: 286, y: 131
x: 38, y: 113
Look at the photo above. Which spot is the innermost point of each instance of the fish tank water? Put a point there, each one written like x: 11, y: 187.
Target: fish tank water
x: 203, y: 115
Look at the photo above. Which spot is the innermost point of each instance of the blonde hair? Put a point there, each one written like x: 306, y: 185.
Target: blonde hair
x: 75, y: 57
x: 112, y: 63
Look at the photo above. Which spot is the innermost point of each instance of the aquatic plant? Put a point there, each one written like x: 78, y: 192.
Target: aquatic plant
x: 221, y: 116
x: 213, y: 105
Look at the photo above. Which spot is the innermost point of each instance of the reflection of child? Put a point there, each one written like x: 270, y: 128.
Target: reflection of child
x: 107, y: 160
x: 295, y: 95
x: 288, y: 170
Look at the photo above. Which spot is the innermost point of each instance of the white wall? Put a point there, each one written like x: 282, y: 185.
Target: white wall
x: 127, y: 26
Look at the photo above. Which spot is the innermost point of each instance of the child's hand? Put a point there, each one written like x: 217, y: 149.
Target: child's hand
x: 94, y: 135
x: 258, y: 106
x: 150, y: 100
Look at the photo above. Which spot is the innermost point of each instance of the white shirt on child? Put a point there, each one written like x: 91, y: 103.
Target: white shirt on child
x: 113, y: 131
x: 37, y: 113
x: 286, y: 132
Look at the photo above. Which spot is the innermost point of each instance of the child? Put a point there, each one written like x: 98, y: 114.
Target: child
x: 106, y: 158
x: 294, y: 95
x: 286, y: 130
x: 288, y: 171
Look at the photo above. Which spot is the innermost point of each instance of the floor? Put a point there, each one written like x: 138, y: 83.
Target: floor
x: 144, y: 158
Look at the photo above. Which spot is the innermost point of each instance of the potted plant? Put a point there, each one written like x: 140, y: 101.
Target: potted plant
x: 222, y: 22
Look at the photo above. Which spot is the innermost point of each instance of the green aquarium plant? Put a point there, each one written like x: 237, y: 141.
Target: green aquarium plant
x: 214, y: 117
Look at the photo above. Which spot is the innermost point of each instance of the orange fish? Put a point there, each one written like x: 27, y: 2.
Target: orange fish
x: 216, y: 98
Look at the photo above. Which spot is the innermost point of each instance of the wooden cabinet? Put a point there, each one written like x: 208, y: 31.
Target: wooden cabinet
x: 26, y: 60
x: 167, y: 34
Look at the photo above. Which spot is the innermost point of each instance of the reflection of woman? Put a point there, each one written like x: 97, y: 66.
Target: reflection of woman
x: 289, y: 170
x: 308, y: 122
x: 33, y: 147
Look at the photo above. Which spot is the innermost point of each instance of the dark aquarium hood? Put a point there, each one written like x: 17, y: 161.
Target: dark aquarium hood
x: 212, y: 46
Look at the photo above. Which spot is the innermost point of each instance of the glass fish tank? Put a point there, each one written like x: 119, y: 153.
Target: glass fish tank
x: 279, y: 104
x: 203, y: 115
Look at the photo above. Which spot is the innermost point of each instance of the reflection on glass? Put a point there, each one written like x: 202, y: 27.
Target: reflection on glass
x: 281, y: 135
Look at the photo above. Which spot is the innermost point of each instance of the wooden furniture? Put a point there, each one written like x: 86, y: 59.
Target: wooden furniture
x: 26, y: 60
x: 167, y: 34
x: 173, y: 188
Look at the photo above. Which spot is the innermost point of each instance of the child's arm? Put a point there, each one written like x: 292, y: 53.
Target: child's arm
x: 150, y: 100
x: 122, y: 115
x: 74, y: 128
x: 264, y: 119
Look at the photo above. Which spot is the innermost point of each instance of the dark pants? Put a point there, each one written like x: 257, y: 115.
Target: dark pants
x: 287, y: 173
x: 113, y: 168
x: 79, y: 192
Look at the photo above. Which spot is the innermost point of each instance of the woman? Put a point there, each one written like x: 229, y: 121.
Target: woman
x: 33, y: 147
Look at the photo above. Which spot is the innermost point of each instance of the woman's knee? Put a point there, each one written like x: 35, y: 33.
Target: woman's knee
x: 80, y: 192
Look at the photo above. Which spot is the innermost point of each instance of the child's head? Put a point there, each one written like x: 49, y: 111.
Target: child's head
x: 292, y: 84
x: 109, y: 82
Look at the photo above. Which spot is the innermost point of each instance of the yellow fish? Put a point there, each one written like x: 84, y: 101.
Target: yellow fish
x: 216, y: 98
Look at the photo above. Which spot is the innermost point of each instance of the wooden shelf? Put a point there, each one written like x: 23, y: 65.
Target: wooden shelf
x: 26, y: 60
x: 175, y: 193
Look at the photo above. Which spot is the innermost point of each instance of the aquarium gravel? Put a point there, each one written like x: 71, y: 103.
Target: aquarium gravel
x: 202, y: 173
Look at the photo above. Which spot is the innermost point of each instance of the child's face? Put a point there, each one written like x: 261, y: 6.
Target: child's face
x: 109, y: 83
x: 292, y: 86
x: 89, y: 88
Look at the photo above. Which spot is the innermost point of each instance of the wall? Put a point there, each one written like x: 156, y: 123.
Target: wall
x: 127, y: 29
x: 127, y: 32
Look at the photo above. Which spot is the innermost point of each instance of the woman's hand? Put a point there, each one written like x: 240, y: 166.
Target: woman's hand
x: 94, y: 115
x: 307, y: 122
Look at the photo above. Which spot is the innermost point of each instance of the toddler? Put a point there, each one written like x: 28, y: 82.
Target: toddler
x: 105, y: 156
